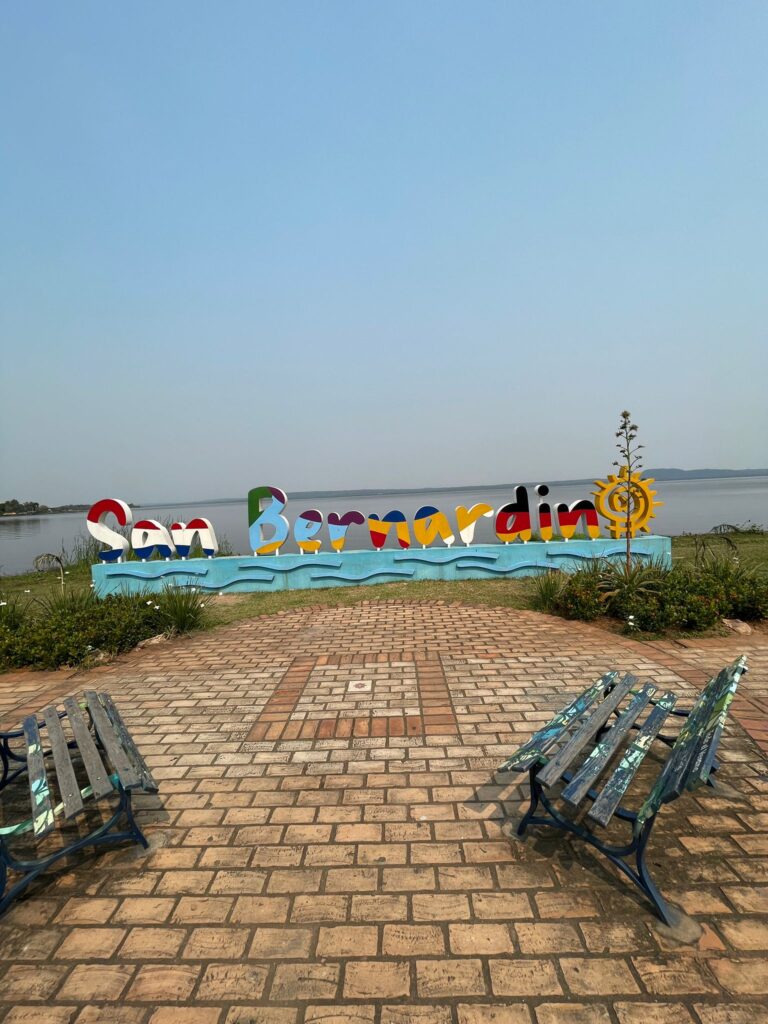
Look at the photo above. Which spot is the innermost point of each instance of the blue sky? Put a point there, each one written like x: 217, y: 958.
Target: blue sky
x: 353, y: 244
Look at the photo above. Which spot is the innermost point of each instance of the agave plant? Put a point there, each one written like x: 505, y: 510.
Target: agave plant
x: 624, y: 583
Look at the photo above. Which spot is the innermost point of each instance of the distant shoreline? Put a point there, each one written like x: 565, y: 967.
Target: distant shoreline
x: 657, y: 474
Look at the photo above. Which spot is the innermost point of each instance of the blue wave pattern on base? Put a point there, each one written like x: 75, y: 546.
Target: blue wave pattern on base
x: 408, y: 573
x: 511, y: 569
x: 447, y: 560
x: 235, y: 581
x: 601, y: 554
x: 307, y: 562
x: 124, y: 574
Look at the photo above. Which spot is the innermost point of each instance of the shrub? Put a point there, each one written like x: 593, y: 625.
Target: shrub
x: 13, y: 612
x: 580, y: 596
x: 547, y: 588
x: 181, y: 609
x: 67, y: 628
x: 653, y: 598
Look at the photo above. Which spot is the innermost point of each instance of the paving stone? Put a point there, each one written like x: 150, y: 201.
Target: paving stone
x: 29, y: 982
x: 236, y: 982
x: 521, y: 977
x: 741, y: 976
x: 155, y: 982
x: 496, y: 1013
x: 436, y: 979
x: 143, y: 910
x: 440, y: 907
x: 746, y: 934
x: 348, y: 940
x: 376, y: 979
x: 280, y: 944
x: 502, y: 906
x: 202, y: 909
x: 545, y: 938
x: 572, y: 1013
x: 652, y: 1013
x: 185, y: 1015
x: 261, y: 1015
x: 601, y: 976
x: 320, y: 908
x: 111, y: 1014
x: 340, y: 1014
x: 479, y: 939
x: 305, y: 981
x: 411, y: 1014
x: 86, y: 910
x: 94, y: 982
x: 40, y: 1015
x: 731, y: 1013
x: 90, y: 943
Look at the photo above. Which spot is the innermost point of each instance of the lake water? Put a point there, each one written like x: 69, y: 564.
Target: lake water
x: 690, y: 506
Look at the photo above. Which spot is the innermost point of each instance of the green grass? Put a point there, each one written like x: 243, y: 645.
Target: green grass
x: 751, y: 549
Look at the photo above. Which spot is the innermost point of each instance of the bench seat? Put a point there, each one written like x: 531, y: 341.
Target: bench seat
x: 605, y: 721
x: 108, y: 762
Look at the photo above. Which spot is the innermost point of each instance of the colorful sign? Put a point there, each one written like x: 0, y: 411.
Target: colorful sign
x: 627, y: 506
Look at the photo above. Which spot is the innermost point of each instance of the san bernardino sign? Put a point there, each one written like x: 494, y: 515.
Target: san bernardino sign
x: 533, y: 536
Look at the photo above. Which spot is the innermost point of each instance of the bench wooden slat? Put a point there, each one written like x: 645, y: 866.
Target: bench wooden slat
x: 97, y: 773
x: 616, y: 786
x: 129, y: 777
x: 542, y: 740
x: 147, y: 781
x: 39, y: 793
x: 552, y: 771
x: 65, y: 773
x: 699, y: 738
x: 595, y: 762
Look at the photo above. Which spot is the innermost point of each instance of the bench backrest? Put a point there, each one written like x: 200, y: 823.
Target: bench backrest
x: 691, y: 759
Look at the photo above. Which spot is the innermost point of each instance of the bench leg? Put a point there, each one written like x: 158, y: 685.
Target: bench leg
x: 528, y: 817
x: 102, y: 836
x: 7, y: 757
x: 618, y: 855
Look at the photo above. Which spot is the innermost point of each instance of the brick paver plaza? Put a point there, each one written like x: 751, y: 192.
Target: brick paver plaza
x: 331, y: 843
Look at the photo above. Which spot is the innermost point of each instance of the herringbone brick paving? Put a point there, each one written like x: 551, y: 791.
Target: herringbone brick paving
x: 332, y: 872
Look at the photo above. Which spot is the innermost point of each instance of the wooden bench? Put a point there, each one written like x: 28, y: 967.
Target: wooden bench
x: 596, y: 719
x: 108, y: 759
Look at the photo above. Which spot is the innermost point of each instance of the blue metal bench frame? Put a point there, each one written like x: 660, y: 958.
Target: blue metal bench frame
x: 550, y: 754
x: 111, y: 762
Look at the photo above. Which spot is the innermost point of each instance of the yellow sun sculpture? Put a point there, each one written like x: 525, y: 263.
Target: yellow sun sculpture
x: 615, y: 493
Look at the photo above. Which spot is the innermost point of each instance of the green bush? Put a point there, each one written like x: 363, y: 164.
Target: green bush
x: 13, y: 612
x: 68, y: 628
x: 580, y: 596
x: 654, y: 599
x: 181, y: 609
x: 546, y: 589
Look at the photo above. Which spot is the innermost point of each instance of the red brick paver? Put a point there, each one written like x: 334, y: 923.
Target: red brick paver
x: 327, y: 852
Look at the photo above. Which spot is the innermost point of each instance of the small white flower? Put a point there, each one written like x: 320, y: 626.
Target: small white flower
x: 202, y: 606
x: 27, y: 591
x: 2, y: 603
x: 157, y: 607
x: 221, y: 593
x: 149, y: 602
x: 66, y: 572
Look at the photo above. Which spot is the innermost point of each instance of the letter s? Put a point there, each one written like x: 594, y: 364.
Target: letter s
x: 118, y: 544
